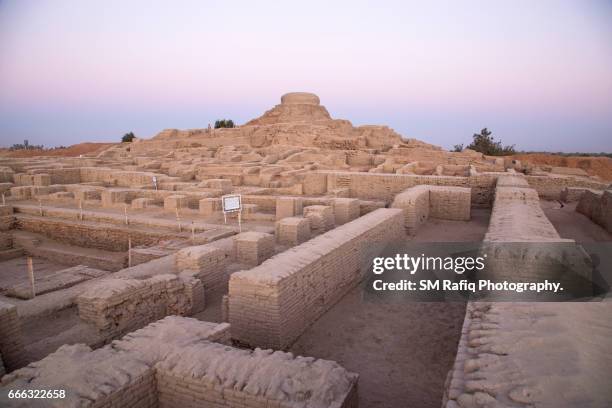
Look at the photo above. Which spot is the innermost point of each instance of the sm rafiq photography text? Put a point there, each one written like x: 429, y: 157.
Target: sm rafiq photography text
x: 459, y: 265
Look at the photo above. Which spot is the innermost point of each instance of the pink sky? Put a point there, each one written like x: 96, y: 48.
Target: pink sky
x: 539, y: 74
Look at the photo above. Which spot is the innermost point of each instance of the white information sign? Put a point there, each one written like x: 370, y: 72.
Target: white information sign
x: 231, y: 203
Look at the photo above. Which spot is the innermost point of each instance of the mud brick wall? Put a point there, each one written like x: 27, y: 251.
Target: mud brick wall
x: 42, y: 179
x: 7, y: 220
x: 208, y: 206
x: 292, y: 230
x: 524, y: 246
x: 315, y: 183
x: 273, y: 303
x: 204, y: 375
x: 345, y: 210
x: 222, y: 184
x: 551, y: 187
x: 572, y: 194
x: 490, y: 350
x: 321, y: 217
x: 517, y: 215
x: 264, y: 202
x: 449, y: 203
x: 415, y: 204
x: 23, y: 179
x: 65, y: 176
x: 598, y: 207
x: 423, y: 201
x: 288, y: 207
x: 119, y: 178
x: 376, y: 186
x: 252, y: 248
x: 176, y: 201
x: 176, y: 362
x: 11, y: 338
x: 208, y: 262
x: 117, y: 306
x: 101, y: 379
x: 90, y: 234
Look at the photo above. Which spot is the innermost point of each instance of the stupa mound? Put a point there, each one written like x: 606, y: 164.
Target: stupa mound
x: 300, y: 98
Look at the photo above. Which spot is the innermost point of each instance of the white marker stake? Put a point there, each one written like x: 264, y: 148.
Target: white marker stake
x: 81, y: 210
x: 126, y: 217
x: 192, y: 231
x: 178, y: 219
x: 31, y: 276
x: 3, y: 199
x: 40, y: 207
x: 240, y: 221
x: 129, y: 252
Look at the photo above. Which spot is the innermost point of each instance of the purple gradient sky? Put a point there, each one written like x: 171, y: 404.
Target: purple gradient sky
x: 538, y: 73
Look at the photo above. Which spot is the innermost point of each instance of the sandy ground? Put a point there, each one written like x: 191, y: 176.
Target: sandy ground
x: 402, y: 351
x: 573, y: 225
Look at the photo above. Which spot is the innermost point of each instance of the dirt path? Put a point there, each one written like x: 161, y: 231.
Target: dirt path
x: 573, y: 225
x: 402, y: 351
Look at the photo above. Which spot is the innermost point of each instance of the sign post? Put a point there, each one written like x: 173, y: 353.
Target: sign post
x: 232, y: 203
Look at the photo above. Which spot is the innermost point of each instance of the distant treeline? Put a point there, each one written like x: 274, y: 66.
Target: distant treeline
x: 484, y: 143
x: 579, y: 154
x: 27, y: 146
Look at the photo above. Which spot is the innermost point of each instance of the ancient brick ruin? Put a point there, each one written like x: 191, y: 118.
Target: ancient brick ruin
x: 148, y: 296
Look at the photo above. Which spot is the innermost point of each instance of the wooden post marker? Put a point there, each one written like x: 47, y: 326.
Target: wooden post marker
x: 178, y: 219
x: 129, y: 252
x: 31, y: 276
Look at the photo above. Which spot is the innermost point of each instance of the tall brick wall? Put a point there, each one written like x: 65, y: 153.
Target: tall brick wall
x: 273, y: 303
x: 11, y: 339
x: 176, y: 362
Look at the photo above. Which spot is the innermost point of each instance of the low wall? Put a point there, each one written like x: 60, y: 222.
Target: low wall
x: 423, y: 201
x: 12, y: 350
x: 90, y: 234
x: 272, y: 304
x: 550, y: 187
x: 176, y: 362
x: 521, y: 354
x: 117, y: 306
x: 598, y: 207
x: 377, y: 186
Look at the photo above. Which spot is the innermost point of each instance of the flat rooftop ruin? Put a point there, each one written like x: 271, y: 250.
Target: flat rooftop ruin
x: 102, y: 256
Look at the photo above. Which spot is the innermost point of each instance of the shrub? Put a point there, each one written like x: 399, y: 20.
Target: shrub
x: 224, y: 123
x: 128, y: 137
x: 484, y: 143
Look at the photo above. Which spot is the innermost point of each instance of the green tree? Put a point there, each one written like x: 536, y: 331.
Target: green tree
x: 458, y: 148
x: 128, y: 137
x: 485, y: 143
x: 224, y: 123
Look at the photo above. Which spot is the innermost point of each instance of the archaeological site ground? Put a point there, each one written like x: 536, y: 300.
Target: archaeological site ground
x: 124, y: 283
